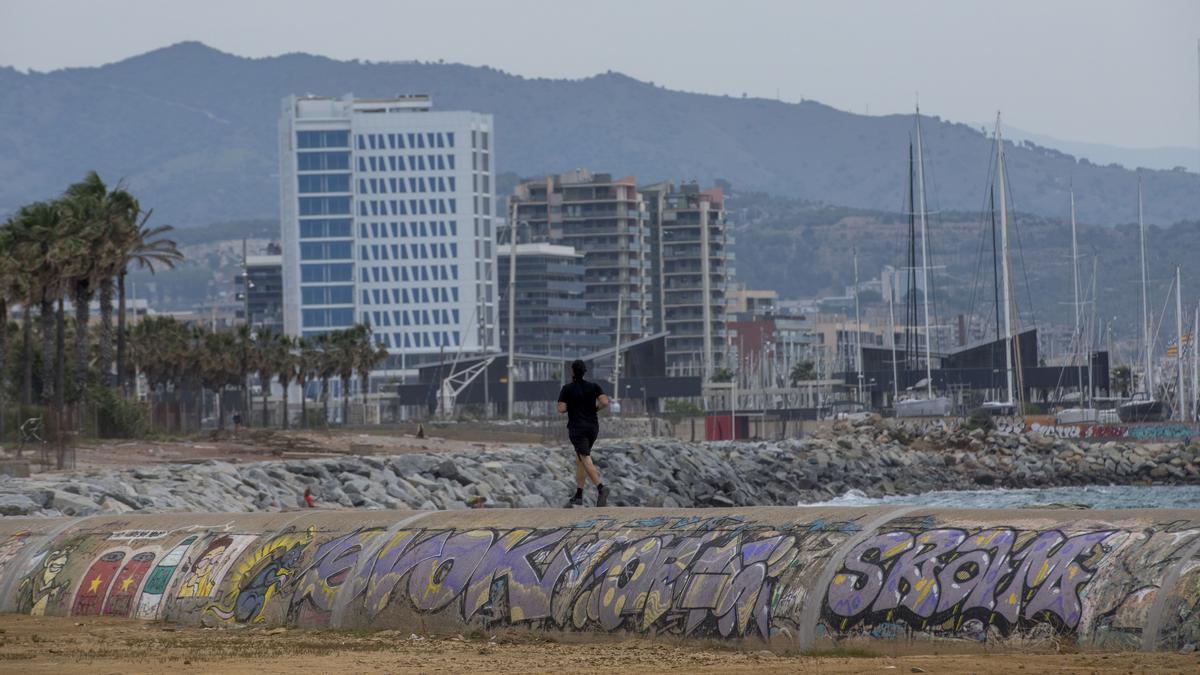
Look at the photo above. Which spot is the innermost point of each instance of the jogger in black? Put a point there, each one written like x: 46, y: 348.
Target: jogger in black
x: 579, y: 400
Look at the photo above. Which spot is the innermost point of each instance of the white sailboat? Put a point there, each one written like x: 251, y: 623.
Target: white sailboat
x: 929, y: 405
x: 1144, y: 407
x: 1010, y: 405
x: 1084, y: 412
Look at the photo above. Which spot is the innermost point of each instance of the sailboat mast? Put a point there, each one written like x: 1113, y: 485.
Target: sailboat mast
x: 1075, y: 275
x: 1195, y: 364
x: 1149, y: 379
x: 910, y: 302
x: 924, y: 257
x: 858, y: 330
x: 1008, y: 349
x: 1179, y: 391
x: 1093, y: 335
x: 892, y: 338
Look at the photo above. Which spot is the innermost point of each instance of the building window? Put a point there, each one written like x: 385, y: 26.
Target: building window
x: 326, y: 250
x: 326, y: 273
x: 327, y: 295
x: 324, y: 318
x: 324, y: 182
x: 317, y: 228
x: 322, y: 139
x: 322, y: 206
x: 323, y: 161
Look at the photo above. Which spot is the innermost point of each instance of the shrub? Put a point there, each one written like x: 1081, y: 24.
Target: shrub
x: 117, y: 416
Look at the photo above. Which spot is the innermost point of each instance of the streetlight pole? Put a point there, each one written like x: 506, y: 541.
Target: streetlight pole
x: 512, y: 309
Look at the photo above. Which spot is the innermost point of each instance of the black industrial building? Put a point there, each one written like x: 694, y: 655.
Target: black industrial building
x: 978, y: 371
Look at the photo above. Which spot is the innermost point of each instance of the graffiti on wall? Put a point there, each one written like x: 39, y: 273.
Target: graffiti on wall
x: 45, y: 584
x: 715, y: 583
x: 957, y: 581
x: 205, y: 574
x: 693, y: 576
x: 263, y: 574
x: 1133, y: 432
x: 150, y: 603
x: 11, y: 546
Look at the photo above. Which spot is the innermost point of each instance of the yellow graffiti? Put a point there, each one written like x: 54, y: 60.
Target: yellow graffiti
x: 95, y: 584
x: 251, y: 565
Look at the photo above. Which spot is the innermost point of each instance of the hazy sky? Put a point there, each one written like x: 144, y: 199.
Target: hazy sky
x: 1108, y: 71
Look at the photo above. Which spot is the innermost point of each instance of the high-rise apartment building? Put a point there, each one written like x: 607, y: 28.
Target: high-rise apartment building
x: 692, y: 258
x: 551, y: 317
x: 604, y: 219
x: 387, y: 215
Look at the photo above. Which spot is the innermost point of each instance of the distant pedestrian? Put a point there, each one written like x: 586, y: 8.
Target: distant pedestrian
x: 580, y: 400
x: 309, y: 500
x: 237, y: 423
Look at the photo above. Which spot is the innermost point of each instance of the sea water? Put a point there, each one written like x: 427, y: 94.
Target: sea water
x: 1091, y: 496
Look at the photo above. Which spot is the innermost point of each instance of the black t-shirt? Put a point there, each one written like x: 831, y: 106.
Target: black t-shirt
x: 580, y: 397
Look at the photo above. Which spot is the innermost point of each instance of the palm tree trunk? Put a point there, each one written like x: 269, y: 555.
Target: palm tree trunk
x: 325, y: 399
x: 303, y: 405
x: 121, y: 384
x: 106, y: 332
x: 82, y: 302
x: 27, y: 335
x: 345, y: 400
x: 285, y: 404
x: 266, y: 397
x: 3, y: 361
x: 220, y: 391
x: 46, y: 314
x: 60, y: 363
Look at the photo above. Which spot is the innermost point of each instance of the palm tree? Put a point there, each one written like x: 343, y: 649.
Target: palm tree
x: 87, y: 215
x: 43, y: 251
x: 11, y: 290
x: 145, y: 247
x: 264, y: 361
x: 327, y: 367
x: 219, y: 368
x: 159, y: 349
x: 244, y: 336
x: 285, y: 368
x: 346, y: 345
x: 308, y: 363
x: 367, y: 355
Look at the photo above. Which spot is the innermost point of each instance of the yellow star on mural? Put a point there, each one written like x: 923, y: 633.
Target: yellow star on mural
x: 95, y: 584
x: 125, y: 583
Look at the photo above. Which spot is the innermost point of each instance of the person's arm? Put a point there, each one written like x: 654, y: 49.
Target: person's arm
x: 562, y: 408
x: 601, y: 401
x: 562, y: 400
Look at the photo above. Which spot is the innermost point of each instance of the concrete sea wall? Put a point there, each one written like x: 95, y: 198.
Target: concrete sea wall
x: 784, y: 578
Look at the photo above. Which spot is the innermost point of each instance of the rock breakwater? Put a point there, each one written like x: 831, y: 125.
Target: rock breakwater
x: 873, y: 457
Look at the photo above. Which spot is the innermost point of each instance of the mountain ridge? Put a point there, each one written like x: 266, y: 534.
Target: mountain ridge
x: 193, y: 130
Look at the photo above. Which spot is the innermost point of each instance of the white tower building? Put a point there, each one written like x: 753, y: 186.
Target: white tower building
x: 386, y: 210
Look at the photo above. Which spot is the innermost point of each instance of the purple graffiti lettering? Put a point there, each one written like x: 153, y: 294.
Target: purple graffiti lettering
x: 437, y: 580
x: 853, y: 590
x: 511, y: 559
x: 945, y: 574
x: 1057, y: 575
x: 917, y: 569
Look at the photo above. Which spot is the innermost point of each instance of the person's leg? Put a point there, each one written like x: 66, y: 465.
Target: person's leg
x: 589, y: 469
x: 580, y: 472
x: 580, y: 443
x: 601, y: 488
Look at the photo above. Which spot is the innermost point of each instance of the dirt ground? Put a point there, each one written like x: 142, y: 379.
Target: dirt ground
x: 258, y: 445
x: 93, y: 646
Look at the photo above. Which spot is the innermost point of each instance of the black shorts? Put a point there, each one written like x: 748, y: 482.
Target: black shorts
x: 583, y: 439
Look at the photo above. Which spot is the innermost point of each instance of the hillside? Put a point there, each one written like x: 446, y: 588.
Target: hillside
x: 193, y: 131
x: 803, y: 250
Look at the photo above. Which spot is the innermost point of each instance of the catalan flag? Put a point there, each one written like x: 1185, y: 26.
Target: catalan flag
x: 1173, y: 347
